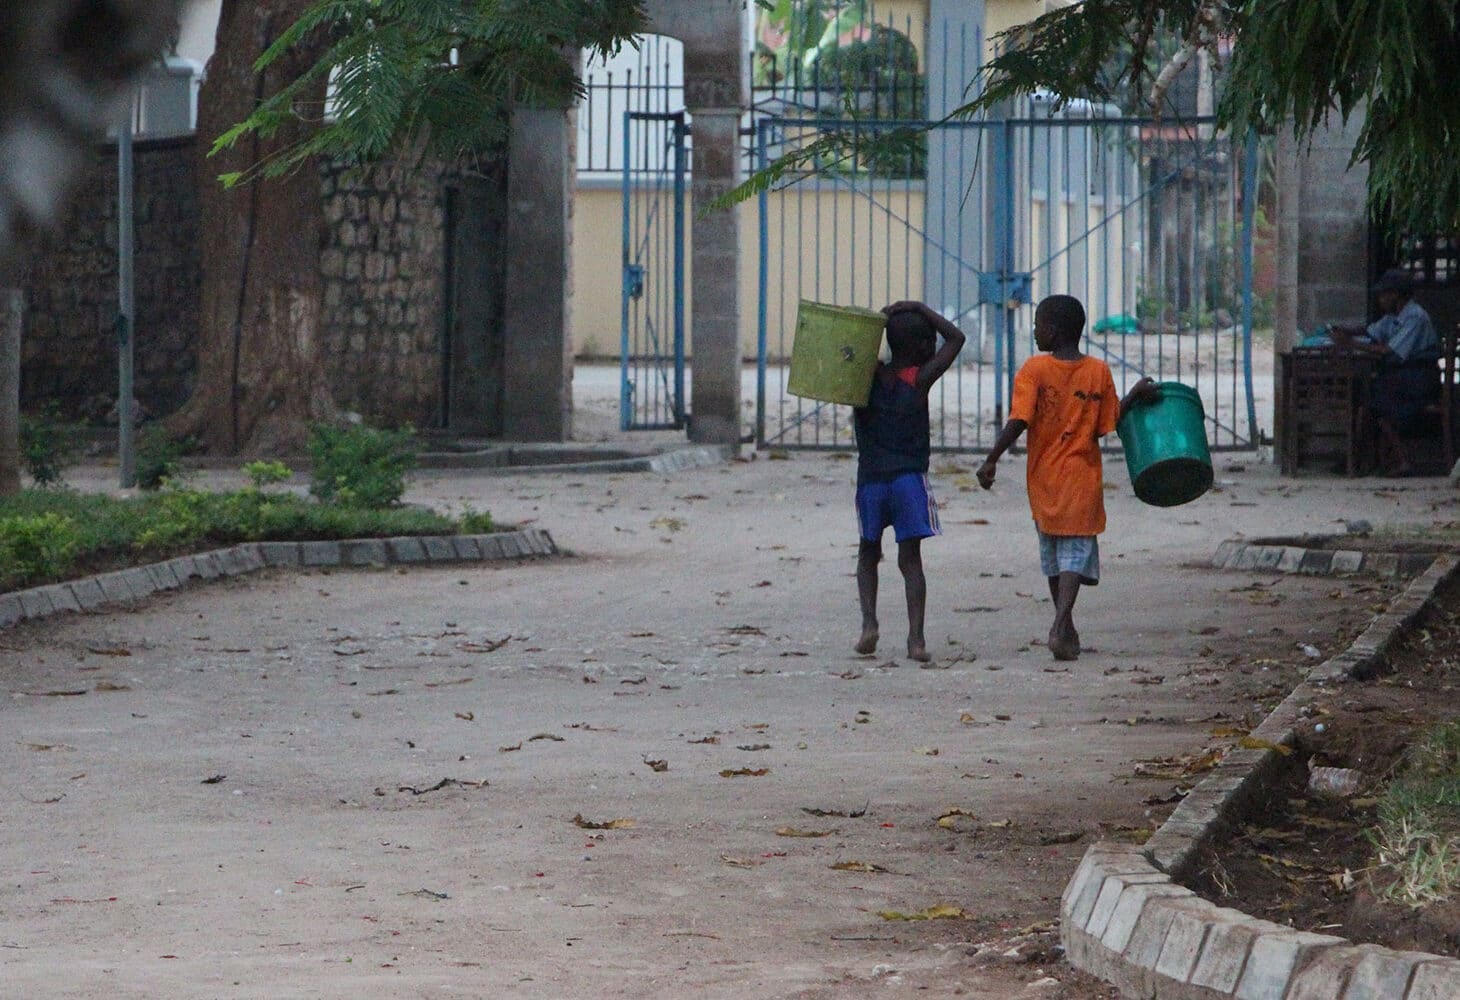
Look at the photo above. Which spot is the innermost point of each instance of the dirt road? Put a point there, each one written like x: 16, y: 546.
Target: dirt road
x: 246, y: 798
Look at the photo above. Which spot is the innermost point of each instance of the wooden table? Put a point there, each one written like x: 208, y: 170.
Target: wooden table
x: 1326, y: 425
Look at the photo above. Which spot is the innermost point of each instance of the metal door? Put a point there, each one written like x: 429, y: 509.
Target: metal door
x: 655, y: 166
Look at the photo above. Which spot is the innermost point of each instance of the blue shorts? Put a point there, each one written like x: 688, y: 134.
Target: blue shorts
x: 906, y: 503
x: 1070, y: 554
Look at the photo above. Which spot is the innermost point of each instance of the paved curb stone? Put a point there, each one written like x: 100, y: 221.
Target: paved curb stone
x: 127, y: 586
x: 1125, y: 918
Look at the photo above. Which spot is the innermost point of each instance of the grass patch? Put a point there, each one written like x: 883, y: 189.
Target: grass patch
x: 48, y: 535
x: 1417, y: 839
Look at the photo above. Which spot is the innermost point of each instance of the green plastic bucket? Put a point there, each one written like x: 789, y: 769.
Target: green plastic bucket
x: 835, y: 352
x: 1166, y: 447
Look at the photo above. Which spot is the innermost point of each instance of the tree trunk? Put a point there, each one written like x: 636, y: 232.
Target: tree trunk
x: 12, y: 317
x: 261, y: 374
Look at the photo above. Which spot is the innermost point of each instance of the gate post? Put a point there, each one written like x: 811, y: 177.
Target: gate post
x: 1003, y: 241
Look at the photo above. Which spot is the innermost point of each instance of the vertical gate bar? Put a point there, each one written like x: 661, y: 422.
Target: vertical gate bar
x: 763, y: 278
x: 679, y: 232
x: 1249, y: 217
x: 625, y: 400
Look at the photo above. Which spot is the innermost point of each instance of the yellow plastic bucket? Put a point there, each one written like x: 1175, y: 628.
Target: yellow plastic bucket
x: 835, y: 352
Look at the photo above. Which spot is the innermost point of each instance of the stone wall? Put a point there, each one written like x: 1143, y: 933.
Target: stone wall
x: 69, y: 349
x: 384, y: 293
x: 385, y: 284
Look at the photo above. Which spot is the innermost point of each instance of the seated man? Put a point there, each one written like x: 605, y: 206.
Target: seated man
x: 1408, y: 378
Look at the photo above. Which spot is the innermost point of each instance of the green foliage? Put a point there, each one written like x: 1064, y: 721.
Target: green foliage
x: 158, y: 457
x: 476, y: 522
x: 48, y: 444
x: 34, y: 547
x: 47, y: 535
x: 360, y: 466
x: 434, y: 78
x: 262, y: 474
x: 1418, y: 833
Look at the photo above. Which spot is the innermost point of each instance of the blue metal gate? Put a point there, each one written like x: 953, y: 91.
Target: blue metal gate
x: 655, y: 166
x: 1148, y: 223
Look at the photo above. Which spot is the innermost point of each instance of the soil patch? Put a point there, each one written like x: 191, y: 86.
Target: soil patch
x: 1305, y: 860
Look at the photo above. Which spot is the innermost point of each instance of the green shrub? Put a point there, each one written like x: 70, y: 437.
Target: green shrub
x: 262, y: 474
x: 475, y: 522
x: 48, y: 444
x: 158, y: 457
x: 360, y: 466
x: 37, y: 546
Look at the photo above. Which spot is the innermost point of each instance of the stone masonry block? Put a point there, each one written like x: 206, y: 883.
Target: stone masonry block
x: 319, y: 553
x: 1316, y: 563
x: 115, y: 588
x: 1382, y: 563
x: 1269, y: 556
x: 88, y: 594
x: 1100, y: 862
x: 183, y: 568
x: 252, y: 558
x: 491, y: 546
x: 1224, y: 956
x: 1346, y: 561
x: 1135, y: 900
x: 1291, y: 559
x: 1274, y: 958
x: 280, y: 553
x: 1224, y: 552
x: 1439, y: 980
x: 231, y: 561
x: 10, y: 610
x: 466, y: 548
x: 36, y: 603
x: 364, y: 552
x: 207, y: 566
x: 1191, y: 922
x: 1110, y: 893
x: 405, y: 550
x: 1382, y: 972
x: 1149, y: 935
x: 1325, y: 977
x: 61, y: 597
x: 549, y: 547
x: 1247, y: 558
x: 140, y: 581
x: 439, y: 549
x: 163, y: 578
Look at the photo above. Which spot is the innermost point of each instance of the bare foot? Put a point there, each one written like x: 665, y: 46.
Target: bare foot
x: 1064, y: 647
x: 918, y: 651
x: 868, y: 642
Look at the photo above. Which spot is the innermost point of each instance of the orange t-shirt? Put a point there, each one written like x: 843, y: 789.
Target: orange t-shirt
x: 1069, y: 406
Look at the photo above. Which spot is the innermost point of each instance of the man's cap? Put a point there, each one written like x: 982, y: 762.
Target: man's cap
x: 1395, y: 280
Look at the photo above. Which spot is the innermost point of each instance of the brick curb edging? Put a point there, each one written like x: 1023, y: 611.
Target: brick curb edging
x: 1240, y: 555
x: 1125, y: 918
x: 133, y: 584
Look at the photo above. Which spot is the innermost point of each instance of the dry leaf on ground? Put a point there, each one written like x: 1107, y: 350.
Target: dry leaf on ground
x: 609, y: 824
x: 744, y: 772
x: 942, y: 911
x: 856, y: 866
x: 791, y: 831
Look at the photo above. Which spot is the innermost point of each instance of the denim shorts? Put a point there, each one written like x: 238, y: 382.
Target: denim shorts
x: 905, y: 503
x: 1070, y: 554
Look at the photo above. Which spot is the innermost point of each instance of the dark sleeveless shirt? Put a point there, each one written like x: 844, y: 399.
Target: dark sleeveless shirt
x: 892, y: 429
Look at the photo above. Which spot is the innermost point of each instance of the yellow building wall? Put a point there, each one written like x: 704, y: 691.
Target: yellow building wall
x: 811, y: 239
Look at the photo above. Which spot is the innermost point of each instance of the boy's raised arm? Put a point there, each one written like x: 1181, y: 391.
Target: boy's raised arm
x: 953, y: 340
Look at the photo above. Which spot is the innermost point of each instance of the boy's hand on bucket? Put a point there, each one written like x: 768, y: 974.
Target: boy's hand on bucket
x: 1146, y: 390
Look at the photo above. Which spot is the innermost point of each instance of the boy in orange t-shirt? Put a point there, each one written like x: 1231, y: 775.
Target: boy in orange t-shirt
x: 1067, y: 402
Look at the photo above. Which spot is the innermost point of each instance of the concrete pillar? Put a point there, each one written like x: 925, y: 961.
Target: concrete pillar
x: 715, y: 264
x: 537, y: 379
x: 716, y: 70
x: 12, y: 317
